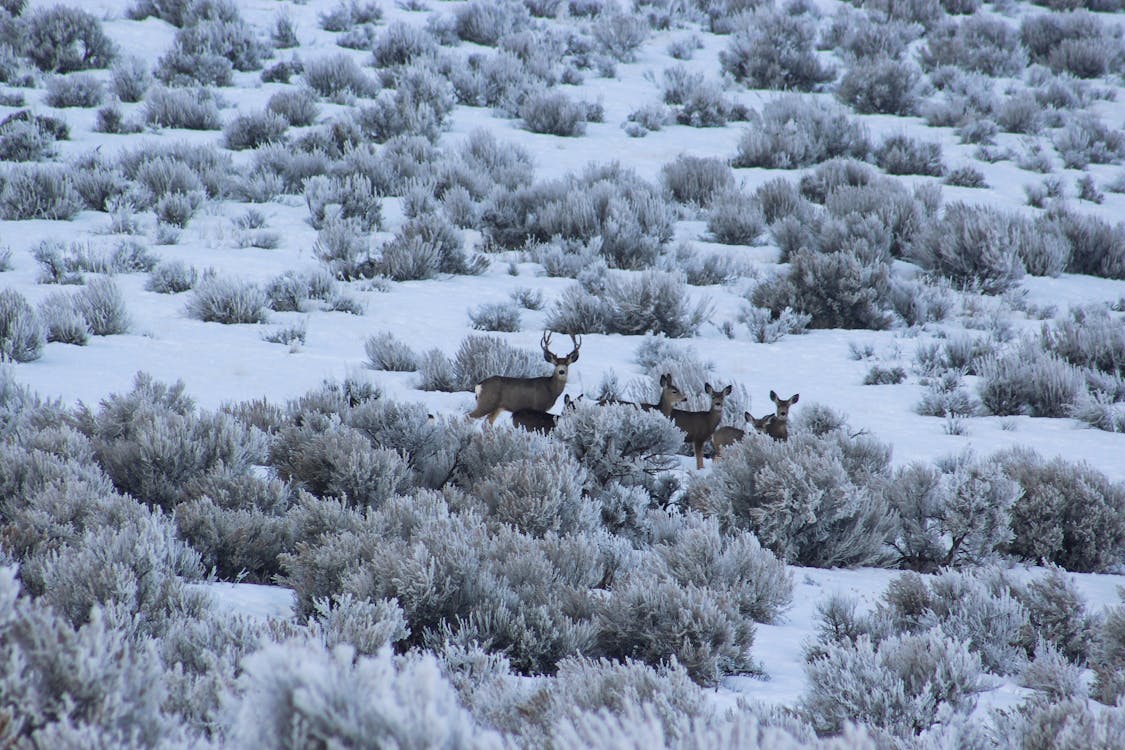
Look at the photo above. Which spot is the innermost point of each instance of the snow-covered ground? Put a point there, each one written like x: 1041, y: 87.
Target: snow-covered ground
x: 222, y: 364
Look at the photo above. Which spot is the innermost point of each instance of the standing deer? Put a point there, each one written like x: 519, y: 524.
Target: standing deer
x: 670, y: 395
x: 699, y: 426
x: 533, y: 420
x: 725, y: 436
x: 777, y: 424
x: 501, y: 393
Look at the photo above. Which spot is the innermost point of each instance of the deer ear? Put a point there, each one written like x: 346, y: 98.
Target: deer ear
x: 549, y: 357
x: 727, y: 391
x: 796, y: 397
x: 573, y: 357
x: 664, y: 380
x: 773, y: 397
x: 748, y: 416
x: 708, y: 389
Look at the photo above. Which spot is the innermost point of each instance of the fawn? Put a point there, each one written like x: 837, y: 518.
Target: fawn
x: 533, y: 420
x: 670, y: 395
x: 777, y: 424
x: 725, y: 436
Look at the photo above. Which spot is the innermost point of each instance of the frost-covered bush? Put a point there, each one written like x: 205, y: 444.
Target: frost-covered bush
x: 1069, y: 514
x: 619, y: 443
x: 488, y: 23
x: 620, y: 35
x: 103, y: 307
x: 1074, y: 43
x: 1086, y: 140
x: 419, y: 106
x: 385, y: 352
x: 62, y: 320
x: 62, y: 39
x: 837, y: 290
x: 22, y: 335
x: 424, y: 247
x: 1025, y: 379
x: 767, y: 328
x: 222, y: 300
x: 298, y: 694
x: 74, y: 90
x: 297, y: 106
x: 774, y: 50
x: 1090, y: 337
x: 955, y: 513
x: 901, y: 154
x: 903, y: 685
x: 697, y: 180
x: 651, y: 302
x: 1108, y: 657
x: 538, y: 496
x: 1058, y: 615
x: 979, y: 43
x: 656, y: 620
x: 25, y: 139
x: 606, y: 202
x: 793, y: 132
x: 495, y: 316
x: 343, y: 246
x: 553, y: 113
x: 879, y: 86
x: 192, y: 109
x: 1096, y: 246
x: 806, y: 499
x: 735, y: 218
x: 340, y: 463
x: 130, y: 79
x: 38, y: 191
x: 254, y: 129
x: 337, y: 76
x: 347, y: 198
x: 346, y: 14
x: 976, y: 246
x: 477, y: 358
x: 402, y: 44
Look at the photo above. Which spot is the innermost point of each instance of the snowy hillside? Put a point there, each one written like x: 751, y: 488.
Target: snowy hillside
x: 256, y: 255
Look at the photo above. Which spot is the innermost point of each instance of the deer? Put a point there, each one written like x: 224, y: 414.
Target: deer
x: 502, y: 393
x: 670, y: 395
x: 543, y: 422
x: 699, y: 426
x: 777, y: 424
x: 725, y: 436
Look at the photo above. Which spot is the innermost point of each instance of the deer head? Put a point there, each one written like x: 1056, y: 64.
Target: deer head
x: 561, y: 363
x: 783, y: 405
x: 670, y: 395
x: 758, y: 424
x: 717, y: 397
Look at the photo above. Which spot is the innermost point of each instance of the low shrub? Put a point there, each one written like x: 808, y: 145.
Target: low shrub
x: 247, y: 131
x: 75, y: 90
x: 774, y: 50
x: 976, y: 246
x: 22, y: 335
x: 696, y: 180
x: 1086, y: 140
x: 793, y: 132
x: 880, y: 86
x: 979, y: 43
x: 103, y: 307
x: 62, y: 320
x: 192, y: 109
x: 901, y: 154
x: 39, y: 191
x: 385, y: 352
x: 489, y: 22
x: 495, y: 316
x: 62, y: 39
x: 171, y: 277
x: 297, y: 106
x: 1028, y: 380
x: 220, y: 300
x: 553, y: 113
x: 735, y: 218
x: 337, y: 76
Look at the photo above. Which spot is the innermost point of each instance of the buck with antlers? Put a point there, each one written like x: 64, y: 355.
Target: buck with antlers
x: 777, y: 424
x: 725, y: 436
x: 501, y: 393
x: 699, y: 426
x: 670, y: 395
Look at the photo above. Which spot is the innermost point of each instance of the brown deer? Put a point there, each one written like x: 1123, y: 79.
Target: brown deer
x: 725, y: 436
x: 501, y: 393
x: 777, y: 424
x: 541, y: 421
x: 670, y: 395
x: 699, y: 426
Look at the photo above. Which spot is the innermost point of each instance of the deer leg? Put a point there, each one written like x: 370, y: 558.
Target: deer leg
x: 699, y: 455
x: 492, y: 417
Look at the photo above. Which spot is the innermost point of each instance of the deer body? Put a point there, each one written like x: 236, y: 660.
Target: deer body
x: 543, y: 422
x: 777, y: 424
x: 502, y: 393
x: 670, y: 395
x: 725, y: 436
x: 699, y: 426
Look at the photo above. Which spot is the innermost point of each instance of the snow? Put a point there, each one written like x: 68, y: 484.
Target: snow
x: 222, y: 364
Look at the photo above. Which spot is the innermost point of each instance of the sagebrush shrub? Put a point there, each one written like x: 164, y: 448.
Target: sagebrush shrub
x: 247, y: 131
x: 297, y: 106
x: 697, y: 180
x: 793, y: 132
x: 22, y: 335
x: 901, y: 154
x: 221, y: 300
x: 775, y: 51
x: 979, y: 43
x: 1086, y: 140
x: 23, y: 139
x: 74, y: 90
x: 974, y: 246
x: 337, y: 75
x: 495, y: 316
x: 1096, y: 246
x: 62, y: 320
x: 488, y: 22
x: 735, y: 218
x: 879, y: 86
x: 801, y: 501
x: 1028, y: 380
x: 1069, y: 514
x: 63, y: 39
x: 554, y: 113
x: 103, y: 306
x: 39, y: 191
x: 192, y: 109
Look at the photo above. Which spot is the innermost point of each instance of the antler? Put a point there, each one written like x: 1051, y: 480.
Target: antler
x: 545, y: 344
x: 577, y: 341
